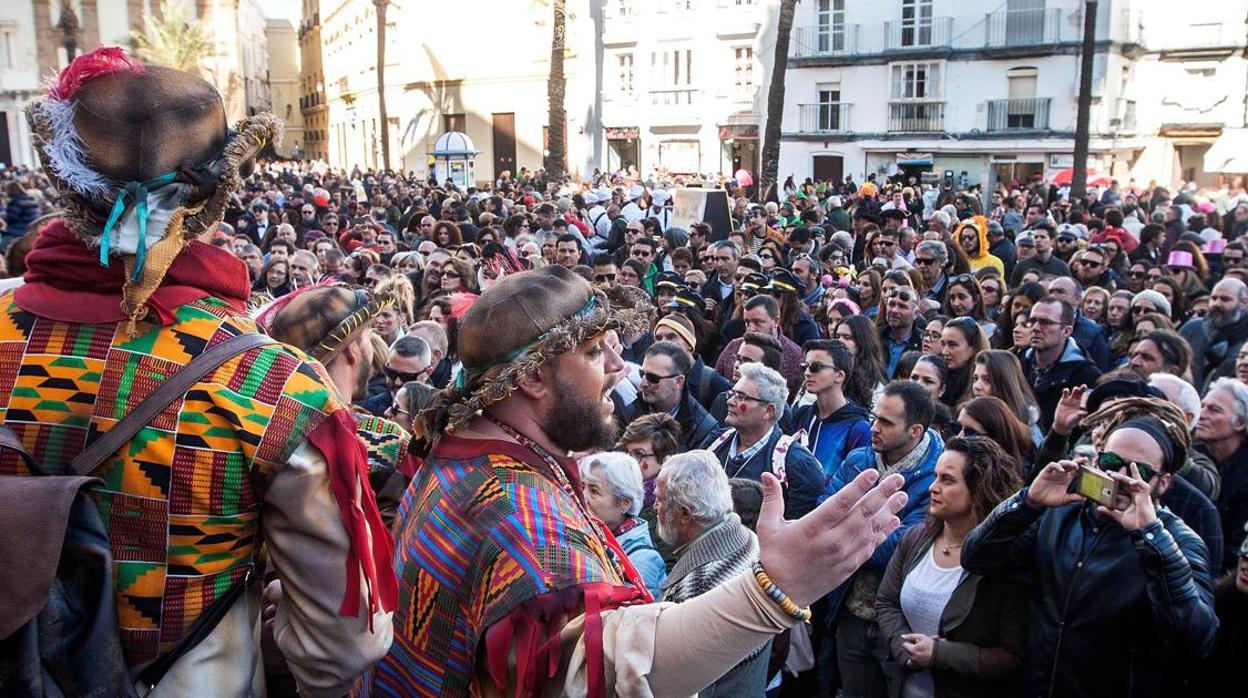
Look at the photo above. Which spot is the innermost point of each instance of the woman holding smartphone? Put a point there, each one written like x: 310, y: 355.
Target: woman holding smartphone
x: 950, y: 632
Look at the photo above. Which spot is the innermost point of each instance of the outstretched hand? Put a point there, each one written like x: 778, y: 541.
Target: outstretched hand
x: 813, y: 555
x: 1069, y: 410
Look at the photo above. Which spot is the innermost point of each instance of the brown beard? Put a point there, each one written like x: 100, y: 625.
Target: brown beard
x: 574, y: 424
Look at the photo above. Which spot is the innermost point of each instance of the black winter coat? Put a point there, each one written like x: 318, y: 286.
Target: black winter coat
x: 1112, y: 612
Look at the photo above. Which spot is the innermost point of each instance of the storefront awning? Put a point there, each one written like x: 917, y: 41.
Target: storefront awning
x: 621, y: 132
x: 1229, y: 153
x: 912, y: 159
x: 738, y: 131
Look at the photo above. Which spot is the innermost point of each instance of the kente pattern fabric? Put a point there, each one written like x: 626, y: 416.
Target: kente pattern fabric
x: 387, y: 445
x: 483, y: 536
x: 180, y: 502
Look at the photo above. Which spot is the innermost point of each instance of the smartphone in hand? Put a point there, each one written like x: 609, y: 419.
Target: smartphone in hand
x: 1095, y: 485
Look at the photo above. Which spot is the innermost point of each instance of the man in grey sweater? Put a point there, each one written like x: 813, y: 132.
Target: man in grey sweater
x: 695, y: 515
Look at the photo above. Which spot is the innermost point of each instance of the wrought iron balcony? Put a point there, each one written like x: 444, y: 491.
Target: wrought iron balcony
x: 916, y: 117
x: 1023, y: 27
x: 908, y: 35
x: 824, y: 117
x: 824, y: 40
x: 1018, y: 114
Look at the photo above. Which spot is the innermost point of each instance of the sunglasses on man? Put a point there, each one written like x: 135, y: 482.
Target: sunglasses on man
x: 402, y: 376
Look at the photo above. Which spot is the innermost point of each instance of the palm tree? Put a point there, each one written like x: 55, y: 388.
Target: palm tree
x: 775, y: 102
x: 174, y: 42
x: 381, y: 82
x: 557, y: 140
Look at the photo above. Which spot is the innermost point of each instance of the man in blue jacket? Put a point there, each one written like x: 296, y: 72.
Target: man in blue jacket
x: 832, y: 426
x: 901, y: 442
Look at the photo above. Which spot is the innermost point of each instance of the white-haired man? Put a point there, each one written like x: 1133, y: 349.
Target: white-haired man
x: 695, y: 513
x: 1222, y: 433
x: 1217, y: 337
x: 754, y: 445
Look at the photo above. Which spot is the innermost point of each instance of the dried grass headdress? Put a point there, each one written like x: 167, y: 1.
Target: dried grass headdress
x: 142, y: 159
x: 492, y: 373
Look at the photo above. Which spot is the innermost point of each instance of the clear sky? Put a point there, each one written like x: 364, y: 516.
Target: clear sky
x: 281, y: 9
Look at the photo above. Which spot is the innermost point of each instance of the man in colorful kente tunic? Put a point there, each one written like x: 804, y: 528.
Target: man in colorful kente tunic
x: 120, y: 293
x: 508, y: 585
x: 333, y: 324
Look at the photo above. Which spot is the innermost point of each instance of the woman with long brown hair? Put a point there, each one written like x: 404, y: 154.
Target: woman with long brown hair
x: 999, y: 373
x: 960, y: 341
x: 990, y: 416
x: 952, y: 632
x: 868, y: 379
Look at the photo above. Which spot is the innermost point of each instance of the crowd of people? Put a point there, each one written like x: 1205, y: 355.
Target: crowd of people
x: 1060, y: 382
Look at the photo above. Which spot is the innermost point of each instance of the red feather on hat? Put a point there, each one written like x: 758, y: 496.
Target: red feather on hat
x: 105, y: 60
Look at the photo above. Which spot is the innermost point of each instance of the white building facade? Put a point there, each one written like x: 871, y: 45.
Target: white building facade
x: 489, y: 82
x: 986, y: 90
x: 684, y: 84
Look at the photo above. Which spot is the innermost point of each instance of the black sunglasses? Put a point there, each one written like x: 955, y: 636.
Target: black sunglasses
x: 656, y: 378
x: 924, y: 261
x: 1109, y: 461
x: 813, y: 366
x: 604, y: 278
x: 957, y: 429
x: 402, y: 376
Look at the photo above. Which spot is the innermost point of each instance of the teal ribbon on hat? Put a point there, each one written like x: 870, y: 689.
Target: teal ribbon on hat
x: 137, y: 191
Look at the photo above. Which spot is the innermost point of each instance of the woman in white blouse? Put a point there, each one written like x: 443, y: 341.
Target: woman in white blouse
x: 952, y: 633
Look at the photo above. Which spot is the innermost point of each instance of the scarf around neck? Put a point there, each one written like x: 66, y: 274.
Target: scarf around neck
x: 65, y: 282
x: 911, y: 459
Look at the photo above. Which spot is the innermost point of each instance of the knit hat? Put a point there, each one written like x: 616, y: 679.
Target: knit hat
x: 1158, y: 300
x: 143, y: 160
x: 521, y: 323
x: 681, y: 325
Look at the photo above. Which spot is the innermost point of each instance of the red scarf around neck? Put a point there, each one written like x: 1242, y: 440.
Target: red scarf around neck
x: 65, y: 282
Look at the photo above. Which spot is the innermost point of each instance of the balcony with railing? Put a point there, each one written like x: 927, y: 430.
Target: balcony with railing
x: 916, y: 117
x: 1018, y: 114
x: 824, y: 117
x: 620, y: 9
x: 912, y: 34
x: 1032, y: 27
x: 674, y: 97
x: 824, y: 40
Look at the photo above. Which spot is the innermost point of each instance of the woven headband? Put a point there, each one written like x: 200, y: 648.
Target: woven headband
x: 365, y: 310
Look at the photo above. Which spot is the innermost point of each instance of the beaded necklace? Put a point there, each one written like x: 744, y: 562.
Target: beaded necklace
x: 564, y: 483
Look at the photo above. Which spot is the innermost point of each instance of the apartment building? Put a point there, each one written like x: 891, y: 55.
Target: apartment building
x: 683, y: 87
x: 986, y: 90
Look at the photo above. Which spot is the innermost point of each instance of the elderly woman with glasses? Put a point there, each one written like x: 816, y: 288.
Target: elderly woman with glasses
x: 612, y: 486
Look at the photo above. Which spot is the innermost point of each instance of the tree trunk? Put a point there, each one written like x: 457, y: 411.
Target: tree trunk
x: 556, y: 163
x: 1083, y: 117
x: 770, y: 173
x: 383, y: 118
